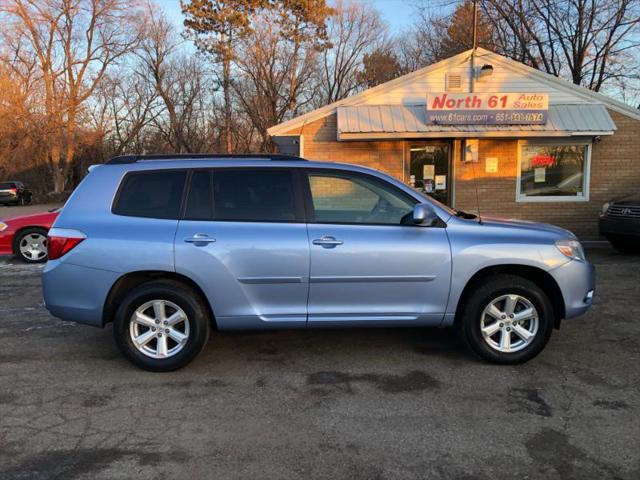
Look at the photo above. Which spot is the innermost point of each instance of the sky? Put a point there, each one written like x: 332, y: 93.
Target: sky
x: 397, y: 13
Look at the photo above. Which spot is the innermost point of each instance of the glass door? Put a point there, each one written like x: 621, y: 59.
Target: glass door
x: 430, y: 169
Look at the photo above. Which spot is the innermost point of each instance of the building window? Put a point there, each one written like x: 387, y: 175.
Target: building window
x: 553, y: 172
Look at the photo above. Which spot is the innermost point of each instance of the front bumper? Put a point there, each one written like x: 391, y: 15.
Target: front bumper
x: 76, y: 293
x: 577, y: 282
x: 6, y: 243
x: 619, y: 226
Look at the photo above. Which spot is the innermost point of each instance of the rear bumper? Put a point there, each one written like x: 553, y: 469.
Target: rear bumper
x: 76, y: 293
x: 9, y: 198
x: 577, y: 281
x: 619, y: 226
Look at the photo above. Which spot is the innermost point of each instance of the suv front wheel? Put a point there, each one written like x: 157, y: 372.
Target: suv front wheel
x: 507, y: 320
x: 161, y: 326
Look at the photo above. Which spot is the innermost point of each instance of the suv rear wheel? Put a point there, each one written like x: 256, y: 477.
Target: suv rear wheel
x: 161, y: 326
x: 507, y: 320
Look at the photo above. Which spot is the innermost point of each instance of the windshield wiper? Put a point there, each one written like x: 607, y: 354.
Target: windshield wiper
x: 465, y: 215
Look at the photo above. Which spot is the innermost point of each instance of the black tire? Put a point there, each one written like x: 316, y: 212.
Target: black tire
x: 624, y: 244
x: 469, y: 318
x: 182, y: 296
x: 20, y: 237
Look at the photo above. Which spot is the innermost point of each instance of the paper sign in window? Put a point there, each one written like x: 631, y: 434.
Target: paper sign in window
x: 540, y: 175
x: 428, y: 171
x: 441, y: 182
x: 491, y: 165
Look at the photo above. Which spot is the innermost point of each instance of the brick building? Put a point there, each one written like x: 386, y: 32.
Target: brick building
x: 531, y: 145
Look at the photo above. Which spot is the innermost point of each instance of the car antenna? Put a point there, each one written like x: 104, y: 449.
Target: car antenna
x: 475, y: 183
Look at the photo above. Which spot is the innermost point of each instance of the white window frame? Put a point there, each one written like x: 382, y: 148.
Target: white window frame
x: 579, y: 141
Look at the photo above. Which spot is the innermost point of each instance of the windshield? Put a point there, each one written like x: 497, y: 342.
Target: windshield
x: 449, y: 210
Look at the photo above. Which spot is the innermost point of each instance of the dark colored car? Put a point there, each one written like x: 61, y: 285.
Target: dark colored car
x: 14, y: 193
x: 620, y: 224
x: 26, y: 236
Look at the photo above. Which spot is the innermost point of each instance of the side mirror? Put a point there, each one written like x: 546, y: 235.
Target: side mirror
x: 423, y: 214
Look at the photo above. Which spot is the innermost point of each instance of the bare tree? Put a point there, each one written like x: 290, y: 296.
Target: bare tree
x: 264, y: 86
x: 580, y: 39
x: 177, y: 78
x: 71, y: 43
x: 125, y: 105
x: 435, y: 36
x: 355, y: 30
x: 216, y: 26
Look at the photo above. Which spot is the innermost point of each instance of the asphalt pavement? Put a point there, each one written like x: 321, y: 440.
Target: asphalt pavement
x: 327, y: 404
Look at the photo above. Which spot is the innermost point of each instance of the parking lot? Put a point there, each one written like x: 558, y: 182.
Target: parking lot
x: 358, y: 404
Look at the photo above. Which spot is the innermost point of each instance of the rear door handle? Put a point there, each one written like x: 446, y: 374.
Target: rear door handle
x: 327, y: 241
x: 200, y: 238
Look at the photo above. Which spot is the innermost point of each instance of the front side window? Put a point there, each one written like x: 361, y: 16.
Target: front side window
x: 553, y: 172
x: 151, y: 194
x: 258, y: 195
x: 356, y: 199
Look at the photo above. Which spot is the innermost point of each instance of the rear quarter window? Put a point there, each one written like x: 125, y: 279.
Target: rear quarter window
x: 151, y: 194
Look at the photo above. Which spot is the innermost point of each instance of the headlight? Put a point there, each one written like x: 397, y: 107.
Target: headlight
x: 605, y: 207
x: 571, y: 249
x: 3, y: 226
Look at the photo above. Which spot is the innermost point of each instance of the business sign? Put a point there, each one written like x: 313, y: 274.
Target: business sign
x: 487, y: 108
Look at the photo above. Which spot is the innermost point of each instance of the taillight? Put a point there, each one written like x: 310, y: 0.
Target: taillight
x: 13, y: 190
x: 61, y: 241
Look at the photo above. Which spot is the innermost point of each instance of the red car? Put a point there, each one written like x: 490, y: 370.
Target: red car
x: 26, y: 236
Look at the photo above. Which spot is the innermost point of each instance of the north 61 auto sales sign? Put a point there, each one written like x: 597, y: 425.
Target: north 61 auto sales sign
x: 487, y: 108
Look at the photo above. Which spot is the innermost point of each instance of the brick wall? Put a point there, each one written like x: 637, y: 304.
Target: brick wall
x: 320, y: 143
x: 615, y: 172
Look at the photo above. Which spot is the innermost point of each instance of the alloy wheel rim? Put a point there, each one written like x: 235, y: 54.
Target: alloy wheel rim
x: 159, y: 329
x: 509, y: 323
x: 33, y: 246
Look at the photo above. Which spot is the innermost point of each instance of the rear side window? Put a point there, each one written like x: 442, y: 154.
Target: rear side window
x: 151, y: 194
x: 200, y: 201
x: 254, y: 195
x: 7, y: 185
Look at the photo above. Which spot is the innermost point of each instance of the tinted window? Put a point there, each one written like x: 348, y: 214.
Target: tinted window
x: 7, y: 185
x: 345, y: 199
x: 254, y: 195
x: 200, y: 201
x: 151, y: 194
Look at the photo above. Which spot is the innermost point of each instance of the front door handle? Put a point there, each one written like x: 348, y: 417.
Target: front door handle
x: 200, y: 238
x: 327, y: 241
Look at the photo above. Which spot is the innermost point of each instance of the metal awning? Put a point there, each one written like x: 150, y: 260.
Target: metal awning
x: 369, y: 122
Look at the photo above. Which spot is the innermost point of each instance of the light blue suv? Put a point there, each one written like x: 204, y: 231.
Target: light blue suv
x: 169, y: 247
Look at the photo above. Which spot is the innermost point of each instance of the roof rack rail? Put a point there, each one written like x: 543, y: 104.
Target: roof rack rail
x: 124, y: 159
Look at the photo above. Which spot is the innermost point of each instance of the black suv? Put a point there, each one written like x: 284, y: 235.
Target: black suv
x: 620, y: 224
x: 14, y: 193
